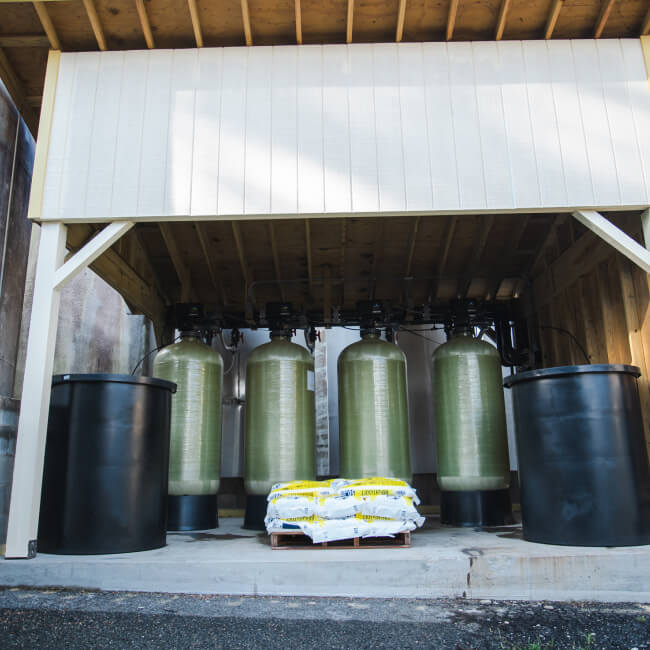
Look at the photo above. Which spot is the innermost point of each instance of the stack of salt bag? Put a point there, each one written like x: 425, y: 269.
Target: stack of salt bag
x: 327, y: 511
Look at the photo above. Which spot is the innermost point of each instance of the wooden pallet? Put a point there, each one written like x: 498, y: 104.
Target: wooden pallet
x: 287, y: 540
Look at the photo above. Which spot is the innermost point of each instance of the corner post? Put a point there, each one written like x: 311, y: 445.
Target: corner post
x: 35, y: 403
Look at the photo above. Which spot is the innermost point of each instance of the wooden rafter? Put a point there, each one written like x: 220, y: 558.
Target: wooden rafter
x: 239, y: 243
x: 401, y: 16
x: 549, y: 237
x: 645, y: 25
x: 180, y: 266
x: 246, y: 19
x: 196, y: 22
x: 451, y: 19
x: 343, y: 242
x: 96, y: 25
x: 214, y: 276
x: 144, y: 24
x: 411, y: 249
x: 605, y: 11
x: 553, y: 15
x: 298, y: 11
x: 29, y: 40
x: 48, y: 27
x: 349, y: 21
x: 475, y: 256
x: 439, y: 269
x: 510, y: 246
x: 310, y: 270
x: 276, y: 259
x: 501, y: 20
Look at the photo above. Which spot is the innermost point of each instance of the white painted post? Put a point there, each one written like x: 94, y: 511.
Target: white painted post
x: 51, y: 275
x: 35, y: 403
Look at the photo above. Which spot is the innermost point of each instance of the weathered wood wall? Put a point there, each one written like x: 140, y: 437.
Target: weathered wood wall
x: 604, y: 300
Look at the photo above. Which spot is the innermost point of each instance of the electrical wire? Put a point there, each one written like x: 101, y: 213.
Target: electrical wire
x: 570, y: 334
x: 415, y: 333
x: 137, y: 365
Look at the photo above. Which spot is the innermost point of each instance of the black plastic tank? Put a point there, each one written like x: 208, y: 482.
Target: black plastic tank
x: 583, y: 464
x: 106, y: 464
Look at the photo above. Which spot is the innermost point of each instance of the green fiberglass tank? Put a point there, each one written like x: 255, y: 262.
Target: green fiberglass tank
x: 280, y: 421
x: 373, y: 410
x: 195, y: 436
x: 470, y: 415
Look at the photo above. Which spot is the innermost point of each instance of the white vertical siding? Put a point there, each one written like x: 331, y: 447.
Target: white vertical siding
x: 338, y: 129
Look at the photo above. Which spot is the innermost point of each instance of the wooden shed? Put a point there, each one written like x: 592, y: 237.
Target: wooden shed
x: 323, y: 153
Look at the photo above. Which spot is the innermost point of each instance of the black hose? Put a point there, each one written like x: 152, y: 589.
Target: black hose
x: 570, y: 334
x: 137, y: 365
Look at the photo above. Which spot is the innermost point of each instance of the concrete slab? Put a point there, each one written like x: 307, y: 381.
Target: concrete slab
x: 442, y: 562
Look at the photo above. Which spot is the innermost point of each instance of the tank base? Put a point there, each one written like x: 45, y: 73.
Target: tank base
x: 192, y: 512
x: 477, y: 508
x: 255, y: 512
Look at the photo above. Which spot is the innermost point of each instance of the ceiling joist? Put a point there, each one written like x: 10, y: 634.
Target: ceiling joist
x: 605, y: 11
x: 196, y: 22
x: 401, y: 16
x: 89, y: 5
x: 48, y: 27
x: 212, y: 271
x: 445, y: 246
x: 451, y: 19
x: 501, y: 20
x: 144, y: 23
x: 310, y: 269
x: 298, y: 11
x: 176, y: 256
x: 276, y: 260
x: 553, y: 15
x: 24, y: 41
x: 349, y: 22
x: 246, y: 19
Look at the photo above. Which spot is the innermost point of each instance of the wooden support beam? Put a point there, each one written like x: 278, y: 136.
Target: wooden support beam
x: 90, y: 252
x: 532, y: 265
x: 239, y: 243
x: 501, y: 20
x: 276, y: 259
x: 411, y: 249
x: 349, y: 22
x: 98, y: 31
x: 401, y: 15
x: 24, y: 41
x: 439, y: 269
x: 180, y: 266
x: 298, y: 12
x: 144, y: 24
x: 510, y: 246
x: 196, y: 22
x: 214, y: 276
x: 615, y: 237
x: 605, y: 10
x: 246, y: 19
x: 35, y: 400
x: 553, y: 15
x: 48, y: 27
x: 475, y: 256
x: 451, y: 19
x: 645, y: 25
x: 310, y: 269
x: 141, y: 293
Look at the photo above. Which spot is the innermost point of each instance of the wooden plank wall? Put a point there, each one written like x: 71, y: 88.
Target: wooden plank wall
x: 604, y: 300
